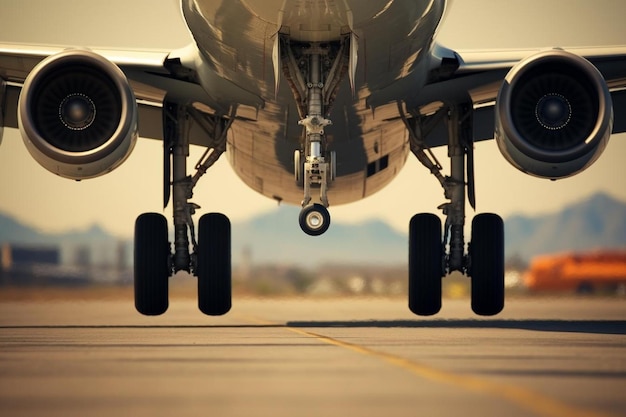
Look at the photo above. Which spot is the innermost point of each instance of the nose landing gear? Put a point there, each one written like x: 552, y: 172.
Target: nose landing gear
x: 314, y: 72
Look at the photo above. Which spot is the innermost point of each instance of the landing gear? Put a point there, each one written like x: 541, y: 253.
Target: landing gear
x: 210, y: 258
x: 314, y: 72
x: 430, y: 256
x: 314, y: 219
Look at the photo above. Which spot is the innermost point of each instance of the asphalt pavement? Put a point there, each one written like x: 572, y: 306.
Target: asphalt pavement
x: 302, y: 357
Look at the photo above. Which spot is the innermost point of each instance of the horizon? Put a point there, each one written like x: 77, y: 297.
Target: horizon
x: 273, y: 211
x: 267, y: 238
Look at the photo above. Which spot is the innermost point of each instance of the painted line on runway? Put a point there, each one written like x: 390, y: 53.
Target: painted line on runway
x: 525, y: 398
x: 530, y: 400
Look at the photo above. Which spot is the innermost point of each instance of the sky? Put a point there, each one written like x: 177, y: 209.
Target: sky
x: 51, y: 203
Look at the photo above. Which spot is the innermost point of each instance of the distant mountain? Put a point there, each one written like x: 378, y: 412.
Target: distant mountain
x: 595, y: 223
x: 276, y: 237
x: 102, y: 245
x: 12, y: 231
x: 15, y: 232
x: 269, y: 238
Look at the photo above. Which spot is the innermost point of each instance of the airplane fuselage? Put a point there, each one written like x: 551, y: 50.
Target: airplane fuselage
x: 394, y: 41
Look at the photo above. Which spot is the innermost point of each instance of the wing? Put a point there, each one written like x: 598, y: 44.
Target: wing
x: 153, y: 75
x: 478, y: 75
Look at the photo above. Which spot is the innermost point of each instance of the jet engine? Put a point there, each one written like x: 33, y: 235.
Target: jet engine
x: 77, y: 114
x: 553, y: 114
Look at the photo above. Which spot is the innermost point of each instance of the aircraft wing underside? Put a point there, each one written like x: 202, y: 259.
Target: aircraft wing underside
x: 479, y: 75
x: 146, y: 71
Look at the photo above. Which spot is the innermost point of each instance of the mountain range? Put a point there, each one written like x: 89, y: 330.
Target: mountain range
x: 598, y: 222
x: 594, y: 223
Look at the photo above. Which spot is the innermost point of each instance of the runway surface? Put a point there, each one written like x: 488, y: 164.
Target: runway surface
x: 349, y: 357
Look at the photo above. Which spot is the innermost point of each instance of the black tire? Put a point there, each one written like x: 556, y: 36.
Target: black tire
x: 425, y: 264
x: 151, y: 264
x: 486, y: 252
x: 314, y: 219
x: 214, y: 264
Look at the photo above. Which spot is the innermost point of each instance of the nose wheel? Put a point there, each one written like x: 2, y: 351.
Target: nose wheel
x: 314, y: 219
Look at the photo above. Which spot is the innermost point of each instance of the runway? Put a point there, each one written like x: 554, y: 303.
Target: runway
x: 298, y: 357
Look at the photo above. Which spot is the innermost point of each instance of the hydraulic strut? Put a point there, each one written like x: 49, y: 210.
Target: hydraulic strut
x: 177, y: 120
x: 177, y: 142
x: 459, y: 123
x: 455, y: 192
x: 315, y: 165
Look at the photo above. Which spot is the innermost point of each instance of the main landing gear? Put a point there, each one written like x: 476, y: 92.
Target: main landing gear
x: 431, y: 255
x: 210, y: 258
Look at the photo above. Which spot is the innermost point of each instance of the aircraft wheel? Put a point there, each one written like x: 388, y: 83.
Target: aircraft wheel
x: 214, y: 264
x: 151, y: 264
x: 314, y: 219
x: 486, y: 252
x: 425, y: 264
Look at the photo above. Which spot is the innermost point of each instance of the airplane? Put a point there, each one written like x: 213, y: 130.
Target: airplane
x: 314, y: 103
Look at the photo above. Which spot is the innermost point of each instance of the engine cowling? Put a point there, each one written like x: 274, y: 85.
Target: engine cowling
x: 554, y: 114
x: 77, y: 115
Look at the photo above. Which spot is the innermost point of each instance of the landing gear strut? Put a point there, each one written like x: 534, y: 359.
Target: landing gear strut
x: 210, y: 257
x: 315, y: 219
x: 430, y: 256
x: 314, y: 71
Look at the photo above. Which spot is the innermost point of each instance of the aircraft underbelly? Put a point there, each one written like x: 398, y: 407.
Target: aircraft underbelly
x: 236, y: 38
x: 365, y: 164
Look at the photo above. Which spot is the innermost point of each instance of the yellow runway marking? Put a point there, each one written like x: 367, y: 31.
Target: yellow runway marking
x: 525, y: 398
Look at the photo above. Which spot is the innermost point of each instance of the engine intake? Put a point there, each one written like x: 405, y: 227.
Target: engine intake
x: 77, y: 114
x: 554, y: 114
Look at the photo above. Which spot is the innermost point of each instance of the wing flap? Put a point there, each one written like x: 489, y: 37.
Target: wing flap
x: 471, y: 61
x: 18, y: 60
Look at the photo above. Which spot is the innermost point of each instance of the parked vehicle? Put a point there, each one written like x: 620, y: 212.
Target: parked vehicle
x: 579, y: 272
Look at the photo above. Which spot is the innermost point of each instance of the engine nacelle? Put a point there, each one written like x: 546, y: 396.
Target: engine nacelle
x: 554, y: 114
x: 77, y: 115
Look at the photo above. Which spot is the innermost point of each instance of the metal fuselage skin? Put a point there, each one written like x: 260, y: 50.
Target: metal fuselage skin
x: 395, y: 38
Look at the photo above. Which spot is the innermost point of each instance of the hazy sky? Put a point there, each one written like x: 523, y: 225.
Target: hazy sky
x: 51, y: 203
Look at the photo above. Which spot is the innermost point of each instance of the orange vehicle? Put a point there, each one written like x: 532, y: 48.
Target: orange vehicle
x: 580, y: 272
